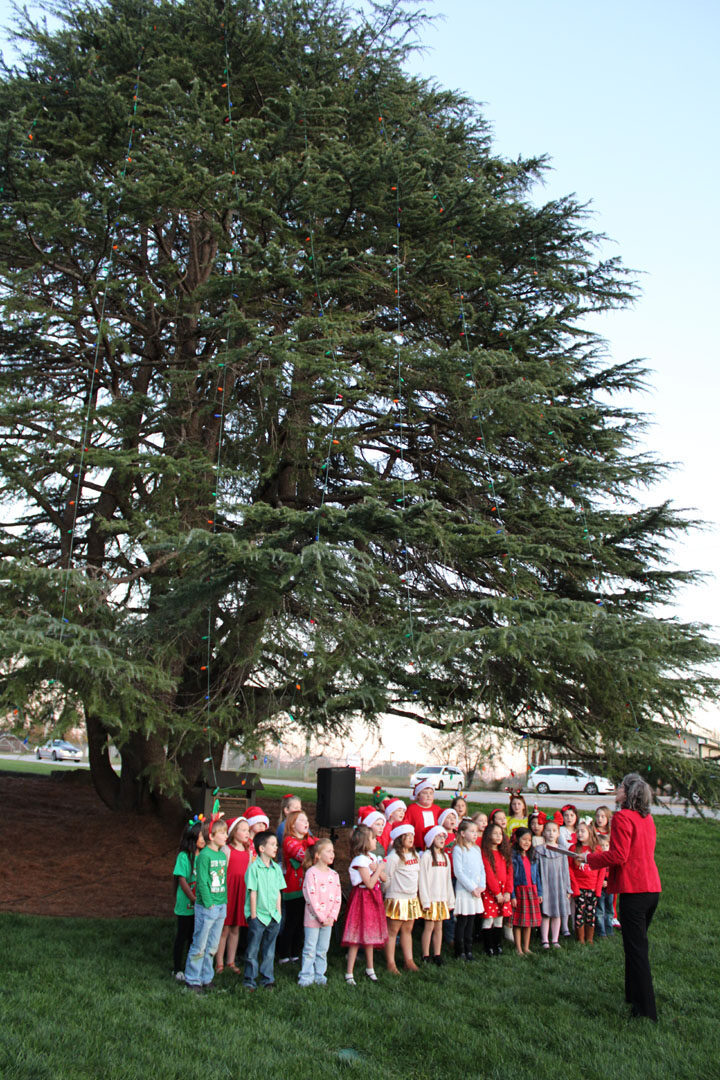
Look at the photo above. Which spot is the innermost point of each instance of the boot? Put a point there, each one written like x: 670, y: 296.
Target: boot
x: 488, y: 942
x: 580, y: 932
x: 497, y: 940
x: 589, y: 935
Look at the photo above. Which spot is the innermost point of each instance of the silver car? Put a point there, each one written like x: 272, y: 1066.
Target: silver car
x: 59, y: 750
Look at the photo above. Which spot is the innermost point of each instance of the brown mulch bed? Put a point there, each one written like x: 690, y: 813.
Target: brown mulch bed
x: 66, y: 853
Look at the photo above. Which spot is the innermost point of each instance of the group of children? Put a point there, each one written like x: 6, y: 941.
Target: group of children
x: 242, y: 887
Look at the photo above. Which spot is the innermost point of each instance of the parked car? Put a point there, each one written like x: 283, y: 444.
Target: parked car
x: 442, y: 776
x: 59, y: 750
x: 568, y: 778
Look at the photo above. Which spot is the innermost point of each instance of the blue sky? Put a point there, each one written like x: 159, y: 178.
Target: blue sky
x: 624, y: 97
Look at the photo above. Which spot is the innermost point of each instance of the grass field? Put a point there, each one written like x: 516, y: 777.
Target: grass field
x: 94, y: 998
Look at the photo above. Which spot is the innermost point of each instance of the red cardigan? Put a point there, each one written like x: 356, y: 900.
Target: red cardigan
x: 584, y: 879
x: 498, y: 875
x: 631, y: 857
x: 293, y: 854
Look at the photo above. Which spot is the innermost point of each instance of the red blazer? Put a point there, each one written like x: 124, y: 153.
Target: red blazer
x: 416, y: 816
x: 498, y: 875
x: 631, y: 857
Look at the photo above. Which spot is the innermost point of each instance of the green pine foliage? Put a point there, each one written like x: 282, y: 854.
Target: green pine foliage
x: 300, y: 414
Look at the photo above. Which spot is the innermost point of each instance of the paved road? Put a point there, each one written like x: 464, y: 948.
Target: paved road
x: 500, y: 798
x: 493, y: 798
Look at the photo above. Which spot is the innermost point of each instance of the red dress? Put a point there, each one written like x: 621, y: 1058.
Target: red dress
x: 499, y: 879
x: 365, y: 922
x: 238, y: 863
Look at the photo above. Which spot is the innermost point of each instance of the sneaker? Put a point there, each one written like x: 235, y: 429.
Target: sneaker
x: 269, y: 986
x: 294, y: 960
x: 209, y: 987
x: 438, y: 960
x: 284, y: 960
x: 194, y: 988
x: 179, y: 976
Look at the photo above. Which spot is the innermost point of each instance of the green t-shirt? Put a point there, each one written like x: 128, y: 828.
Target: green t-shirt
x: 267, y: 882
x: 211, y: 873
x: 184, y: 868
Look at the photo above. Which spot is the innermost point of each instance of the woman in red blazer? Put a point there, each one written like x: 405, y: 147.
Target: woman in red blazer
x: 634, y: 875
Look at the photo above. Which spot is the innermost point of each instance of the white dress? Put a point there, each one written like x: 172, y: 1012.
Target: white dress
x: 469, y: 874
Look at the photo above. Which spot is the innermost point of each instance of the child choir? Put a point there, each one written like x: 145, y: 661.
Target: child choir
x: 491, y: 878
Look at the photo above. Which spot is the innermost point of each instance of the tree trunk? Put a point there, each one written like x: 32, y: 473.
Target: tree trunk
x: 104, y: 777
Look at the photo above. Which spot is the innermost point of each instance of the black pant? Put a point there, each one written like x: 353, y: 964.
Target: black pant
x: 636, y: 911
x: 183, y: 940
x: 464, y: 934
x: 291, y: 937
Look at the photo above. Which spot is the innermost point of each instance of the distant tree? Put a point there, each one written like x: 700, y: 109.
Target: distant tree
x: 300, y: 417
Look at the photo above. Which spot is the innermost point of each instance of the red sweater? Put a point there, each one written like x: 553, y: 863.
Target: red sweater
x: 631, y: 857
x: 293, y: 855
x: 421, y: 820
x: 584, y: 879
x: 498, y: 875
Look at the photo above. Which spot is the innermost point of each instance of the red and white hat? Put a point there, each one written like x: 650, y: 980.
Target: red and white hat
x: 431, y: 834
x: 368, y: 815
x: 444, y: 816
x: 256, y: 816
x: 400, y: 830
x: 391, y: 805
x: 233, y: 822
x: 421, y: 786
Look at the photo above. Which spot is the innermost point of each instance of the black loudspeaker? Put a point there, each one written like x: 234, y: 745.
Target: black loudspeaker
x: 335, y: 798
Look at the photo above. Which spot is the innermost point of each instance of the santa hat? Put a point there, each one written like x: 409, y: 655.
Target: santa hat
x: 368, y: 815
x: 443, y: 817
x: 233, y: 822
x: 400, y: 830
x: 437, y: 830
x: 256, y: 816
x: 421, y: 786
x: 391, y: 805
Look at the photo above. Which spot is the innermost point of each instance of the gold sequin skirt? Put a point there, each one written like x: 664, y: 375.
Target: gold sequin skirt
x: 403, y: 909
x: 437, y: 912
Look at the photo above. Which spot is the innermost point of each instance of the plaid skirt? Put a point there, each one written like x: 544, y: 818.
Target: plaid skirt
x: 527, y: 912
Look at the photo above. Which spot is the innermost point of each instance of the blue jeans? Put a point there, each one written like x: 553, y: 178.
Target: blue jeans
x: 604, y: 914
x: 314, y: 955
x: 206, y: 938
x: 260, y: 944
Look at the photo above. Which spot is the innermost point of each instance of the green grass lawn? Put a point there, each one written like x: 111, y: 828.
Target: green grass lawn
x: 94, y: 998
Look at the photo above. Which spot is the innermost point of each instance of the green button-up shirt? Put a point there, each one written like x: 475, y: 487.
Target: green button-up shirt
x: 267, y: 882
